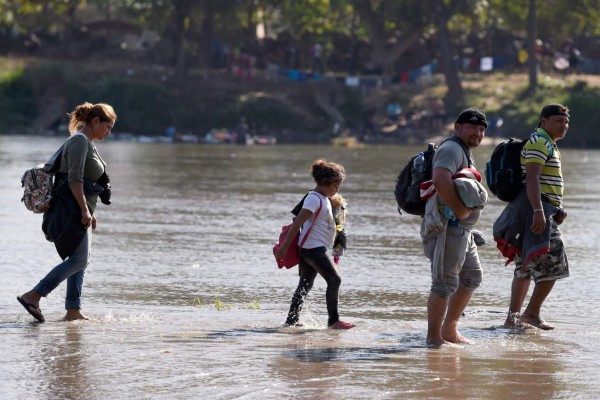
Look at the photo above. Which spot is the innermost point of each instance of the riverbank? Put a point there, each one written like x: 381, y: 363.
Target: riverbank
x: 35, y: 95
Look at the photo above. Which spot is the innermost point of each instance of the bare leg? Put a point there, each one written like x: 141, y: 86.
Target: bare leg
x: 518, y: 291
x: 457, y: 304
x: 532, y: 312
x: 436, y: 311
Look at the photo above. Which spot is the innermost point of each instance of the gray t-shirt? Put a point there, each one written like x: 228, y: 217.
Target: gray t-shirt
x: 80, y: 159
x: 451, y: 156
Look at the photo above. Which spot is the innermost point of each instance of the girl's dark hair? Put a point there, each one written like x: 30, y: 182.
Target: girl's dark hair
x: 86, y: 112
x: 325, y: 172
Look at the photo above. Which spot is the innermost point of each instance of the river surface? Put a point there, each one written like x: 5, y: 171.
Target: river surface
x: 186, y: 300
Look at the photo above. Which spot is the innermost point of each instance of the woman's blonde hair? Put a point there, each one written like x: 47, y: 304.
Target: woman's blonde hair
x: 84, y: 113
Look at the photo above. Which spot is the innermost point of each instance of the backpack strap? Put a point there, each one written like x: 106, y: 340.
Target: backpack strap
x: 311, y: 225
x: 53, y: 164
x: 548, y: 144
x: 298, y: 207
x: 462, y: 146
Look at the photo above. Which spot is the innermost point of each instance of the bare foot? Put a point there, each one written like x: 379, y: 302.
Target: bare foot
x: 32, y: 298
x: 458, y: 339
x: 537, y: 322
x: 32, y: 309
x: 73, y: 315
x: 513, y: 320
x: 450, y: 333
x: 437, y: 343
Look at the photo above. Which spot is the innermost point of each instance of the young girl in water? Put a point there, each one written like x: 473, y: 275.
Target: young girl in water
x: 313, y: 255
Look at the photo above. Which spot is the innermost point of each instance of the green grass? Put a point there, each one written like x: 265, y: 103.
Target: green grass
x: 221, y: 306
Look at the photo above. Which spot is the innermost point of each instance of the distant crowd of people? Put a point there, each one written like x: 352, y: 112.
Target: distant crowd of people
x: 394, y: 120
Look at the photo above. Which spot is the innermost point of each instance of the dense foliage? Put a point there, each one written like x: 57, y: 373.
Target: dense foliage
x: 149, y: 57
x: 383, y: 32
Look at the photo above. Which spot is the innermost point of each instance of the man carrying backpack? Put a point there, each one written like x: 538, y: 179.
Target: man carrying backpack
x: 527, y: 230
x: 459, y: 272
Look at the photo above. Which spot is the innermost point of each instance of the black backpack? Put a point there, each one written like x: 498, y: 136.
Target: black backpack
x: 407, y: 192
x: 503, y: 171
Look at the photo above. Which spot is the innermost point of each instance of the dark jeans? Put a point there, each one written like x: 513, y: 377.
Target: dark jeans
x: 313, y: 261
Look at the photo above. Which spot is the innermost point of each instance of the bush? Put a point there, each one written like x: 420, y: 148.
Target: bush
x: 585, y: 118
x: 17, y: 101
x: 141, y: 108
x: 352, y: 108
x: 265, y: 111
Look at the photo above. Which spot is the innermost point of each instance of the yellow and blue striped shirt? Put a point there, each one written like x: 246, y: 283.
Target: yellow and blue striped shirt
x: 537, y: 150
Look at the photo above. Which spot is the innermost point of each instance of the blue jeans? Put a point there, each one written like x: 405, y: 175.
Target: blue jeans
x: 72, y: 269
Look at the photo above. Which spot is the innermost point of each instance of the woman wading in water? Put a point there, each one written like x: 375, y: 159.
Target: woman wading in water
x: 80, y: 180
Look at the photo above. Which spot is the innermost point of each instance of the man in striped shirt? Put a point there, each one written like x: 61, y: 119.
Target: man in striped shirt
x: 540, y: 163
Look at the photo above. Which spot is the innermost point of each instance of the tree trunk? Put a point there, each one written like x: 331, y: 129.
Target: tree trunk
x: 400, y: 48
x: 206, y: 32
x: 531, y: 38
x: 455, y: 90
x: 181, y: 11
x: 384, y: 56
x: 250, y: 31
x: 374, y: 23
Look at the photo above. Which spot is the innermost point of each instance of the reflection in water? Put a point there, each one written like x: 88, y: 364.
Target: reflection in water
x: 65, y: 366
x: 533, y: 375
x: 312, y: 379
x: 341, y: 354
x: 448, y: 377
x: 462, y: 374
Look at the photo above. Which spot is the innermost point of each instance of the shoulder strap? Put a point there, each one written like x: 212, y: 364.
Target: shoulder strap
x: 548, y: 144
x: 298, y: 207
x: 311, y: 225
x: 462, y: 146
x: 53, y: 164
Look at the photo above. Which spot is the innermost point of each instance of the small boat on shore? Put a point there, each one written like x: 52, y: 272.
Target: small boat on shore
x: 264, y: 140
x: 347, y: 141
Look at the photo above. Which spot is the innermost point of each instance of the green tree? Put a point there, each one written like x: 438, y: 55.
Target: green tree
x: 532, y: 61
x: 393, y: 27
x: 29, y: 16
x: 455, y: 90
